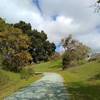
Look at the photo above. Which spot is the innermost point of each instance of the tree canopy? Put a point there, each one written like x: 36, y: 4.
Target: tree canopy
x: 41, y: 49
x: 20, y: 45
x: 74, y: 51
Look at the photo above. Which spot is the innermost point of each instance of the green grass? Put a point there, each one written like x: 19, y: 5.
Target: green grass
x: 51, y: 66
x: 82, y: 82
x: 11, y: 82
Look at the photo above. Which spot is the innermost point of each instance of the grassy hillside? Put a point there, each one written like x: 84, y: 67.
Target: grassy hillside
x: 11, y: 82
x: 51, y: 66
x: 82, y: 82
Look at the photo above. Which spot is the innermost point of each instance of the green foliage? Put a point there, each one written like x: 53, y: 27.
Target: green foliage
x: 66, y: 59
x: 26, y: 27
x: 81, y: 62
x: 17, y: 61
x: 14, y: 47
x: 11, y: 82
x: 77, y: 79
x: 74, y: 52
x: 20, y: 45
x: 3, y: 78
x: 51, y: 66
x: 26, y: 73
x: 95, y: 77
x: 55, y: 56
x: 41, y: 49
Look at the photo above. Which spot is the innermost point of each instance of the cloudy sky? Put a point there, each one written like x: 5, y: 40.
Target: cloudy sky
x: 57, y: 18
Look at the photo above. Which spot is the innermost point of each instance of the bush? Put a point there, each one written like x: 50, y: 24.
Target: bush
x: 70, y: 59
x: 55, y: 56
x: 66, y: 60
x: 96, y: 58
x: 74, y: 51
x: 26, y: 73
x: 15, y: 62
x: 81, y: 62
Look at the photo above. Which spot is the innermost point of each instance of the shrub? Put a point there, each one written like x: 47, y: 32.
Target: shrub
x: 55, y: 56
x: 75, y: 51
x: 96, y: 58
x: 15, y: 62
x: 25, y: 73
x: 66, y: 60
x: 81, y: 62
x: 3, y: 78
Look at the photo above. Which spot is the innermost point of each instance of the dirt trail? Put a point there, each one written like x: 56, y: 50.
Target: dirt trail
x: 50, y: 87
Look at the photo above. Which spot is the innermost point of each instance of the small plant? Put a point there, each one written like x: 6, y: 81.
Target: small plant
x: 81, y: 62
x: 3, y: 78
x: 26, y: 73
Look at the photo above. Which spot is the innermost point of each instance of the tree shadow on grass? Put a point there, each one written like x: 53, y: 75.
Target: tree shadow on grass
x: 96, y: 77
x: 84, y: 91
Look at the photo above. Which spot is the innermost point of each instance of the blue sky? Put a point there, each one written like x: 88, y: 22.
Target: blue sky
x: 58, y: 18
x: 38, y: 5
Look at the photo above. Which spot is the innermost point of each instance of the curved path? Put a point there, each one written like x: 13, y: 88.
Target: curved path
x: 50, y: 87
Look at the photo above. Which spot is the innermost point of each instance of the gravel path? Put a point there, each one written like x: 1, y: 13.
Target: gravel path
x: 50, y: 87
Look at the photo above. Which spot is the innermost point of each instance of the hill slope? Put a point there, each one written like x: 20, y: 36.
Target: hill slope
x: 11, y: 82
x: 83, y: 82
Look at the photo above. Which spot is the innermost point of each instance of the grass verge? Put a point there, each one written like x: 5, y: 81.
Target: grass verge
x: 82, y: 82
x: 11, y: 82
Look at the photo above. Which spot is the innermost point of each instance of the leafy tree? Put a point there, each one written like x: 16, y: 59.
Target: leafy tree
x: 14, y: 46
x: 15, y: 62
x: 41, y: 49
x: 20, y: 45
x: 74, y: 51
x: 25, y: 27
x: 15, y: 50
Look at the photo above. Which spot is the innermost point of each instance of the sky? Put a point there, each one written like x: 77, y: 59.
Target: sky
x: 58, y: 18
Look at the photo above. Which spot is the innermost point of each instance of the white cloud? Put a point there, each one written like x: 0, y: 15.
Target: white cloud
x: 79, y: 10
x: 91, y: 39
x: 15, y: 10
x: 59, y: 28
x: 74, y: 17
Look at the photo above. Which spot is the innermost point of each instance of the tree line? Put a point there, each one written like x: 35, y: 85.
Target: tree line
x: 21, y: 45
